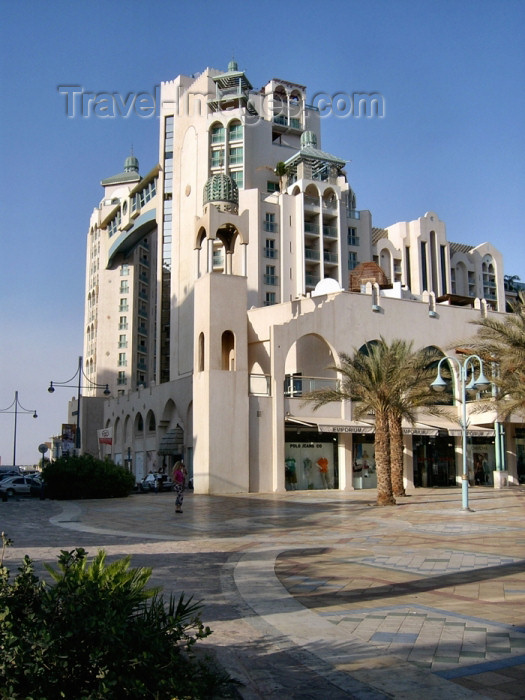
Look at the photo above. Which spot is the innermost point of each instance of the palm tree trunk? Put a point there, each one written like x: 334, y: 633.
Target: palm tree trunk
x: 396, y: 453
x: 382, y: 454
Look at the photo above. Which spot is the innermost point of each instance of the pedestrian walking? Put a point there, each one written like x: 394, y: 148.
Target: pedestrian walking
x: 179, y: 479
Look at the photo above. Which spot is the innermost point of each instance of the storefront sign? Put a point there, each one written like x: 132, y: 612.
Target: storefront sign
x: 346, y: 429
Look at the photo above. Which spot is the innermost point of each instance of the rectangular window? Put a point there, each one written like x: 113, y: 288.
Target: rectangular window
x: 270, y: 277
x: 269, y: 223
x: 272, y: 187
x: 352, y: 260
x: 269, y: 249
x: 443, y: 269
x: 122, y: 362
x: 236, y: 155
x: 238, y: 177
x: 217, y: 158
x: 217, y: 134
x: 122, y: 341
x: 424, y: 269
x: 122, y: 378
x: 124, y: 270
x: 123, y: 305
x: 124, y: 287
x: 269, y: 298
x: 123, y: 323
x: 353, y: 238
x: 408, y: 271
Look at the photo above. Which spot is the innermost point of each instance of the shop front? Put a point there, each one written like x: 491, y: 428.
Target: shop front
x: 310, y: 461
x: 434, y: 461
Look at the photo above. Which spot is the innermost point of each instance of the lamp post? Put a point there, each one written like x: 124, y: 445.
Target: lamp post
x: 91, y: 385
x: 18, y: 408
x: 439, y: 384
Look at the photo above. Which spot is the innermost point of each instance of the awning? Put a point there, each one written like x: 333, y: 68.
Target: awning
x: 172, y: 442
x: 332, y: 425
x: 472, y: 431
x: 420, y: 429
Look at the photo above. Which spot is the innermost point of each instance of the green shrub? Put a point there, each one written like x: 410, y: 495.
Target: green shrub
x: 98, y: 632
x: 86, y: 477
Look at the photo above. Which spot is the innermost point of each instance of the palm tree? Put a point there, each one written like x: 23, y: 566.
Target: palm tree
x: 501, y: 341
x: 411, y: 375
x: 281, y: 170
x: 390, y: 381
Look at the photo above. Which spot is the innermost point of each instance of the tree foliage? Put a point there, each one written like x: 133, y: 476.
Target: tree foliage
x: 391, y: 381
x: 98, y: 632
x: 86, y: 477
x: 500, y: 342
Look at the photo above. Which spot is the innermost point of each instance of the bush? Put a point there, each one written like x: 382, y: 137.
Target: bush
x: 86, y: 477
x: 98, y: 632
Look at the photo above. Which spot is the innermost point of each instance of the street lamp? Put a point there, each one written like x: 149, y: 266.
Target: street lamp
x: 91, y: 385
x: 18, y: 409
x: 439, y: 384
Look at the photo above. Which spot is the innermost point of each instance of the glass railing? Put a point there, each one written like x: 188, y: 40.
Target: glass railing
x: 353, y: 214
x: 311, y: 228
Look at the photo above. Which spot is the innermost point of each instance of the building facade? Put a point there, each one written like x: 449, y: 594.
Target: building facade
x: 222, y: 285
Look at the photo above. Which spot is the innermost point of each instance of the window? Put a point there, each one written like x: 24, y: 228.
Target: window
x: 121, y: 378
x: 124, y: 270
x: 269, y: 223
x: 123, y: 305
x: 272, y: 187
x: 217, y: 133
x: 236, y: 155
x: 269, y: 248
x: 269, y: 298
x: 123, y: 323
x: 235, y: 132
x: 353, y: 238
x: 122, y: 341
x: 122, y: 361
x: 352, y: 260
x: 237, y: 177
x: 424, y: 270
x: 217, y: 158
x: 270, y: 276
x: 124, y: 287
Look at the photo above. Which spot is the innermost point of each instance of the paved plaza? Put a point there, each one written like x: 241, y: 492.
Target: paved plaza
x: 321, y: 594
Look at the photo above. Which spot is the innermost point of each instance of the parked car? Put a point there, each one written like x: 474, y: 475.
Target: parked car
x: 156, y: 482
x: 4, y: 474
x: 18, y: 484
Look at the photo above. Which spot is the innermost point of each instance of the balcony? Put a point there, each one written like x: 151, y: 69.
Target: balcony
x: 330, y: 258
x: 311, y: 254
x: 311, y: 228
x: 270, y: 226
x: 353, y: 214
x: 311, y: 202
x: 311, y: 280
x: 330, y: 231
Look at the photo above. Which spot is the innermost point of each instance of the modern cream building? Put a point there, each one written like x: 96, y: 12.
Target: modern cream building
x: 217, y: 293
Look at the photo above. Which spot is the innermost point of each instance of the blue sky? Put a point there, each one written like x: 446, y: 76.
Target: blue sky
x: 451, y: 140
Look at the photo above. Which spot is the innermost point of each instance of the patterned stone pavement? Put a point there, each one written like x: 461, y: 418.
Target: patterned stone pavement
x: 322, y: 594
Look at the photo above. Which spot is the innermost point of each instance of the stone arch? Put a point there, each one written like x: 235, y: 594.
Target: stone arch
x: 138, y: 425
x: 117, y: 429
x: 228, y: 351
x: 312, y: 191
x: 308, y: 361
x: 151, y: 423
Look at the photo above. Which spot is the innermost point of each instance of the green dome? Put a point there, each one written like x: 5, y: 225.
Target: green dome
x: 131, y: 165
x: 308, y: 138
x: 221, y: 189
x: 232, y: 67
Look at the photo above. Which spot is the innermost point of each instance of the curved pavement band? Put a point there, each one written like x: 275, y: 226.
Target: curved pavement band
x: 318, y: 594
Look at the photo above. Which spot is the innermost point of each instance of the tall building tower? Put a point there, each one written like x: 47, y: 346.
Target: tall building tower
x: 204, y: 281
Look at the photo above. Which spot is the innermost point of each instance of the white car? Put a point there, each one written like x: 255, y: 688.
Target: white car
x: 18, y: 484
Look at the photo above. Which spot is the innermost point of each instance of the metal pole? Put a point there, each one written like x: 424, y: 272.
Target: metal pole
x: 77, y: 435
x: 464, y: 476
x: 14, y: 434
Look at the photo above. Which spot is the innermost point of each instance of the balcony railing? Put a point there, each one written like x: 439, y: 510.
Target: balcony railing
x: 311, y: 254
x: 295, y: 385
x: 353, y: 214
x: 311, y: 280
x: 270, y: 253
x: 330, y: 231
x: 270, y: 226
x: 311, y: 228
x: 311, y: 201
x: 330, y: 257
